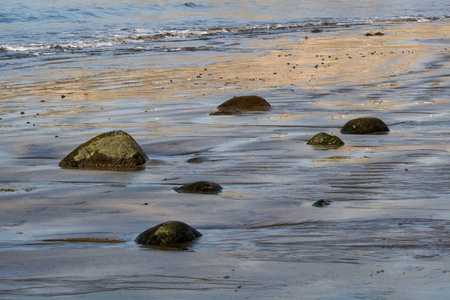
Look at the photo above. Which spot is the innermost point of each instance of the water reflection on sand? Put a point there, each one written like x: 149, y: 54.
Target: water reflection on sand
x: 389, y: 193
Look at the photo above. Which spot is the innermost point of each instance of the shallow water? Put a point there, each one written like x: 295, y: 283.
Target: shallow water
x: 45, y: 36
x: 262, y: 238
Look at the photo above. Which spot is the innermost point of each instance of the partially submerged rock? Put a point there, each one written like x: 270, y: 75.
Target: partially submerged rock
x: 244, y: 103
x: 376, y: 33
x: 364, y: 125
x: 196, y: 160
x: 168, y: 233
x: 200, y: 187
x: 321, y: 203
x: 324, y: 139
x: 114, y: 150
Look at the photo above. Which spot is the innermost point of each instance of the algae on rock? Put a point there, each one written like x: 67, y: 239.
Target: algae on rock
x: 367, y: 125
x: 321, y: 203
x: 168, y: 233
x: 324, y: 139
x: 114, y: 150
x: 245, y: 103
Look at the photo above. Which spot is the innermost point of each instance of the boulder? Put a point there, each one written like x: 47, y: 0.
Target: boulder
x: 200, y: 187
x: 244, y: 103
x: 365, y: 125
x: 114, y: 150
x: 168, y: 233
x: 324, y: 139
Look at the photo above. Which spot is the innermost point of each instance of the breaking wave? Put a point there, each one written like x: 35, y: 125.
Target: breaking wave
x: 135, y: 38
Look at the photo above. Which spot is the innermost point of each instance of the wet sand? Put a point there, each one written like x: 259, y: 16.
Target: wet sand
x: 384, y: 236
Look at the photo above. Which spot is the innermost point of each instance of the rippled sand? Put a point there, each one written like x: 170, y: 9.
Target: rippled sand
x: 385, y: 234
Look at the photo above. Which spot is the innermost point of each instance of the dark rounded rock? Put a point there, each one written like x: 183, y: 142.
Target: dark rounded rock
x: 196, y: 160
x: 168, y: 233
x: 245, y: 103
x: 321, y: 203
x: 365, y: 125
x: 200, y: 187
x: 324, y: 139
x: 114, y: 150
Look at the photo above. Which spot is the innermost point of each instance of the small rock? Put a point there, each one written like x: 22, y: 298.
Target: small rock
x: 316, y: 30
x: 200, y: 187
x: 196, y: 160
x: 168, y: 233
x: 365, y: 125
x: 321, y: 203
x: 245, y: 103
x: 114, y: 150
x: 324, y: 139
x: 376, y: 34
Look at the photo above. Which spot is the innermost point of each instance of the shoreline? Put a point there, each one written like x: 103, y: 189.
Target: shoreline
x: 384, y: 235
x: 315, y: 61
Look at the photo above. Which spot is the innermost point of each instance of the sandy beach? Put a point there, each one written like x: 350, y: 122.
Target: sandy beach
x: 384, y: 236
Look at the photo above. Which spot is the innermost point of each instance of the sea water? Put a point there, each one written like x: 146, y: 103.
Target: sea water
x: 389, y: 193
x: 39, y: 34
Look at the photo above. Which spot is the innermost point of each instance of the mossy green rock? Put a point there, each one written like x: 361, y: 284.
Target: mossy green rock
x: 244, y: 103
x: 200, y: 187
x: 366, y: 125
x: 324, y: 139
x: 114, y: 150
x: 168, y: 233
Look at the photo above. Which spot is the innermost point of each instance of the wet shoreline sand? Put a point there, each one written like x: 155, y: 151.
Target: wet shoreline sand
x: 385, y: 235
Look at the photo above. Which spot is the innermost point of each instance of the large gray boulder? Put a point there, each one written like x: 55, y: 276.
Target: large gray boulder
x: 366, y: 125
x: 168, y: 233
x: 114, y: 150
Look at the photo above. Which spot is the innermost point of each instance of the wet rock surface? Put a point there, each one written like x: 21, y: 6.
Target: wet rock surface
x: 168, y: 233
x: 324, y: 139
x: 374, y: 34
x: 366, y: 125
x: 200, y: 187
x: 244, y: 103
x: 321, y: 203
x: 114, y: 150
